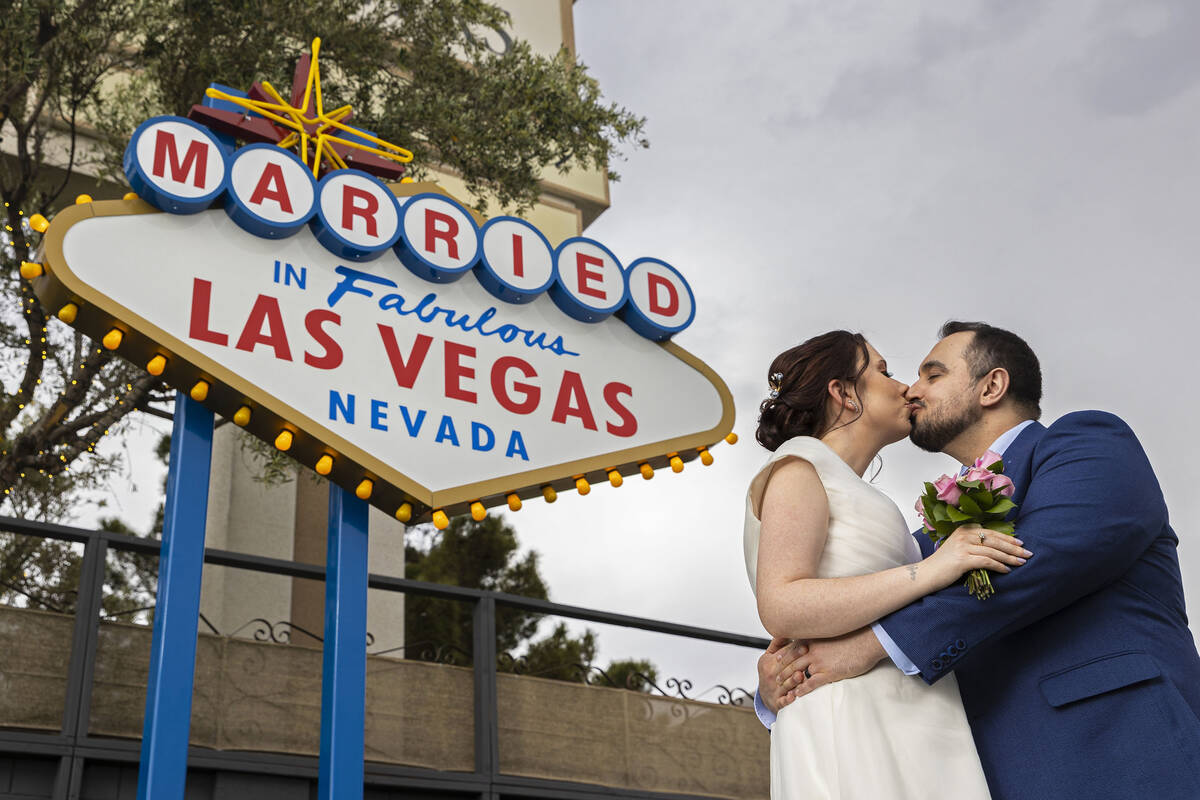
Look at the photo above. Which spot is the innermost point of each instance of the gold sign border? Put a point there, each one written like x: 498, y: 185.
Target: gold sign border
x: 228, y: 391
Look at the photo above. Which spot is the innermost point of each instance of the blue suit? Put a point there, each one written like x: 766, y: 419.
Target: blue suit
x: 1079, y: 677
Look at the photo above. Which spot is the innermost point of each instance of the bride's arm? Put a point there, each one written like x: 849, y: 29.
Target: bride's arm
x: 794, y: 604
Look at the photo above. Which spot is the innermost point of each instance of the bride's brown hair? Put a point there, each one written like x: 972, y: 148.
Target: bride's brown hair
x: 805, y: 371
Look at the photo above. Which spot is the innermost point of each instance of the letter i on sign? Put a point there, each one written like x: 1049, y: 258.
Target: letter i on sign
x: 516, y: 263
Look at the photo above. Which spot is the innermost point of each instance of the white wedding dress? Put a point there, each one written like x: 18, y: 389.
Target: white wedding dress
x: 883, y: 735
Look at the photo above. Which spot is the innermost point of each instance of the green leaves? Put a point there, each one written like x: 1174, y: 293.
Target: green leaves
x: 1002, y: 507
x: 969, y: 506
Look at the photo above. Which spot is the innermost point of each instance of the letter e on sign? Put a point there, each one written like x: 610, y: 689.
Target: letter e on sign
x: 660, y: 301
x: 175, y: 165
x: 516, y: 264
x: 357, y: 217
x: 440, y: 239
x: 588, y: 282
x: 271, y: 192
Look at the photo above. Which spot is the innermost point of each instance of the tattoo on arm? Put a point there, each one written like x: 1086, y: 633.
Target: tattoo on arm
x: 912, y: 572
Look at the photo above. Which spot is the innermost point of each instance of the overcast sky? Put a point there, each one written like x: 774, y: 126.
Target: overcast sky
x: 883, y: 167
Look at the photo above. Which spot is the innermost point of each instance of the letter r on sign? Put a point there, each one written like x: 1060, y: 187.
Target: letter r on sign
x: 359, y: 203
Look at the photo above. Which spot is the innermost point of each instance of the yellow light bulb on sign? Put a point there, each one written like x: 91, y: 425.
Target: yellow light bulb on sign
x: 615, y: 478
x: 404, y: 512
x: 440, y: 520
x: 67, y: 313
x: 284, y: 440
x: 112, y: 339
x: 706, y: 457
x: 31, y: 270
x: 363, y: 492
x: 582, y: 486
x: 478, y: 512
x: 646, y: 470
x: 514, y: 503
x: 324, y: 464
x: 241, y: 417
x: 156, y: 365
x: 549, y: 493
x: 199, y: 392
x: 676, y: 462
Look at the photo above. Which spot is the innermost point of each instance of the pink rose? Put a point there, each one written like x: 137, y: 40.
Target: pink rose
x: 987, y: 459
x: 948, y: 490
x: 1001, y: 484
x: 924, y: 519
x: 978, y: 474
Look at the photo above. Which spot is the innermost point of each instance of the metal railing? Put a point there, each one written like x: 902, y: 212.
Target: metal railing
x: 74, y: 746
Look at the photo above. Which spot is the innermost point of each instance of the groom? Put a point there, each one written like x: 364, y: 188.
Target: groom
x: 1079, y: 677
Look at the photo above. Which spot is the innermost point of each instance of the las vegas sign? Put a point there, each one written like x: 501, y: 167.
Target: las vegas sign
x: 385, y: 335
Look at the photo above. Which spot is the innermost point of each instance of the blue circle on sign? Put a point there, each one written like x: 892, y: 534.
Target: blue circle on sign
x: 423, y: 267
x: 639, y: 320
x: 489, y: 277
x: 568, y: 302
x: 253, y: 222
x: 180, y: 166
x: 333, y: 241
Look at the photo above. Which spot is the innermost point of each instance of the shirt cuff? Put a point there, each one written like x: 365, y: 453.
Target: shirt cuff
x: 764, y: 714
x: 894, y: 652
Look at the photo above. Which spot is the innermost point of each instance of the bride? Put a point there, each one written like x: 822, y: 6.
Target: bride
x: 827, y: 553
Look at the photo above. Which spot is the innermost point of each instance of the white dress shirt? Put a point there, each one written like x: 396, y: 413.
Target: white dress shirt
x: 903, y: 662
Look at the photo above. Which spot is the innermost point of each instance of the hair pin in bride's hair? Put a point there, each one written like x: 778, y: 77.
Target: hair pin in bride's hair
x: 775, y: 383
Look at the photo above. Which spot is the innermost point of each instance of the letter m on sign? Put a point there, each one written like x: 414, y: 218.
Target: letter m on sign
x: 195, y: 160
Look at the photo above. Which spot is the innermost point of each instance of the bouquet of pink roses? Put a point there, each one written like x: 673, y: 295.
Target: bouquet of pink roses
x: 980, y: 496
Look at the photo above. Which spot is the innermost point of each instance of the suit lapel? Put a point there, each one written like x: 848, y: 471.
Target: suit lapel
x: 1018, y: 459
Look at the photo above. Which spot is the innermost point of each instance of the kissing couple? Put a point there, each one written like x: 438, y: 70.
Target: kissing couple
x: 886, y: 678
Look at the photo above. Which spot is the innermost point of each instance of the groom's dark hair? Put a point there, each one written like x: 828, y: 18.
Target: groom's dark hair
x: 994, y: 347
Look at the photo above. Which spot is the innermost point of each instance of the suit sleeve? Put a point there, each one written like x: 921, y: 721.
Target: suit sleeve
x: 1092, y: 507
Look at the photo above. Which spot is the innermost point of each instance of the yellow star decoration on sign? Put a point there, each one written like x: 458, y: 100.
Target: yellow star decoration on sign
x: 314, y: 132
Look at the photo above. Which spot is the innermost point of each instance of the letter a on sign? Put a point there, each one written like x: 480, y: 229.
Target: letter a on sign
x: 271, y: 192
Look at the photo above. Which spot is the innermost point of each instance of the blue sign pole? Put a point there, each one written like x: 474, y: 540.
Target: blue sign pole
x: 344, y: 670
x: 163, y: 769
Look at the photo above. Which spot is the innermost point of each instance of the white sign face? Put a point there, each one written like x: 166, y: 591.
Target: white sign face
x: 441, y: 390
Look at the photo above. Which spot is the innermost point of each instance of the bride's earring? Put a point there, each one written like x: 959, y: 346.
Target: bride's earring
x: 854, y: 406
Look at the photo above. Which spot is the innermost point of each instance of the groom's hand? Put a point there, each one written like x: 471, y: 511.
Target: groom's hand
x: 829, y: 660
x: 774, y: 665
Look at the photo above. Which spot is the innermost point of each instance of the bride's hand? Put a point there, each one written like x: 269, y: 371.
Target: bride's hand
x: 974, y: 547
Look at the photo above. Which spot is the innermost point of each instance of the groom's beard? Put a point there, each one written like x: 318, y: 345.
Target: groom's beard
x: 933, y: 431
